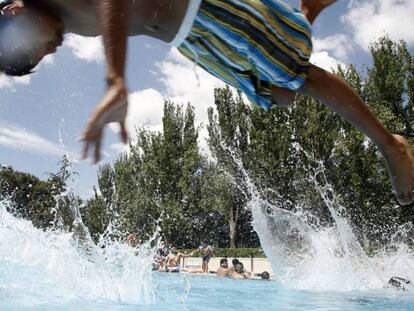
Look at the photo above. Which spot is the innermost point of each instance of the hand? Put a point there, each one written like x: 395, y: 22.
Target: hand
x: 112, y: 108
x: 13, y: 9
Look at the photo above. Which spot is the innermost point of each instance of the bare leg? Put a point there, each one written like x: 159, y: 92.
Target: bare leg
x: 312, y: 8
x: 205, y: 266
x: 339, y: 96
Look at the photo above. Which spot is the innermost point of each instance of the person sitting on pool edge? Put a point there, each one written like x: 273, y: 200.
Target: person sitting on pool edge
x: 173, y: 259
x: 260, y: 47
x: 223, y: 270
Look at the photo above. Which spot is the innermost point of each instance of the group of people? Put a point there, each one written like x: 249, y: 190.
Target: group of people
x: 237, y: 271
x: 171, y: 262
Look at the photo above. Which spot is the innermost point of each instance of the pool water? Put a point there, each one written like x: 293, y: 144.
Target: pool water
x: 212, y: 293
x: 195, y: 292
x: 52, y: 270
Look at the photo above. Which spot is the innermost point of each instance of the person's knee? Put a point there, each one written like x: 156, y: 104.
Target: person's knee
x: 315, y: 77
x: 283, y: 103
x: 282, y: 97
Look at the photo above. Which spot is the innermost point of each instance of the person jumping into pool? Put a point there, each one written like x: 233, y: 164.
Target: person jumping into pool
x: 260, y: 47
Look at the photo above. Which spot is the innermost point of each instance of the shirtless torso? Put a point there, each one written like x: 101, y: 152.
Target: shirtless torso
x: 223, y: 271
x: 160, y: 19
x: 173, y: 260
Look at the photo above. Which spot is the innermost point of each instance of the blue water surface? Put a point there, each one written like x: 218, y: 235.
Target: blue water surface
x: 197, y: 292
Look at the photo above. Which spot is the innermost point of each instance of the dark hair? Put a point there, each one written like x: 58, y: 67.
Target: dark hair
x: 235, y: 261
x: 265, y: 275
x: 21, y: 66
x: 13, y: 62
x: 223, y: 261
x: 239, y: 264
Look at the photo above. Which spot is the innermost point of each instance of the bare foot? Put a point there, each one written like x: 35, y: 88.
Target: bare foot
x: 400, y: 162
x: 312, y: 8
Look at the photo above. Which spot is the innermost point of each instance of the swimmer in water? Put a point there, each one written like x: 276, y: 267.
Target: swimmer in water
x: 239, y: 272
x: 215, y: 34
x: 223, y: 270
x: 399, y: 283
x: 265, y: 275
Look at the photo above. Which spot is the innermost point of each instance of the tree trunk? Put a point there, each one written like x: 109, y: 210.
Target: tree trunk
x: 232, y: 224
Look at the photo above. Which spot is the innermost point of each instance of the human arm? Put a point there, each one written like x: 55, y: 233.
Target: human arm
x: 113, y: 20
x: 167, y: 260
x: 187, y: 255
x: 191, y: 254
x: 211, y: 251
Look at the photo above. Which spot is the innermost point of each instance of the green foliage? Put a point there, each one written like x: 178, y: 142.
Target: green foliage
x: 161, y: 185
x: 231, y: 252
x: 228, y: 141
x: 165, y: 185
x: 95, y: 215
x: 29, y: 197
x: 167, y: 182
x: 281, y: 170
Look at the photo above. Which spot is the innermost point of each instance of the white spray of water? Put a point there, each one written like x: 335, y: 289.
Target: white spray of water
x: 305, y: 257
x: 59, y: 266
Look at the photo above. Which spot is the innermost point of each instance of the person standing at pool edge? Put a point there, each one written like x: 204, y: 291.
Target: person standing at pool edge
x: 260, y: 47
x: 207, y: 253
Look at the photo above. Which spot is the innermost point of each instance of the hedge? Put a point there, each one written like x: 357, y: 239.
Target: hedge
x: 231, y: 252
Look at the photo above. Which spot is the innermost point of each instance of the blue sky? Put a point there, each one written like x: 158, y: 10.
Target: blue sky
x: 42, y: 116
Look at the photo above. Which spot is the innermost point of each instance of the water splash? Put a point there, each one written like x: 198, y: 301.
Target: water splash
x: 57, y: 266
x: 64, y: 266
x: 305, y: 256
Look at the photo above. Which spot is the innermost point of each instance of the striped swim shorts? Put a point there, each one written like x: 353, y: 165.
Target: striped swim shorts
x: 249, y: 44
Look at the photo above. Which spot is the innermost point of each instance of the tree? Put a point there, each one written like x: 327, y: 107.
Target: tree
x: 228, y: 141
x: 68, y: 203
x: 95, y: 215
x: 28, y: 197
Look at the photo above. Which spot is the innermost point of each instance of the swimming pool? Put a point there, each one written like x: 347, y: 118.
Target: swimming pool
x: 211, y: 293
x: 49, y: 271
x: 191, y: 292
